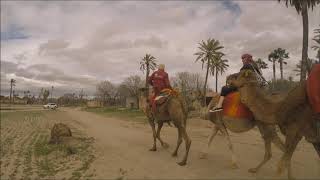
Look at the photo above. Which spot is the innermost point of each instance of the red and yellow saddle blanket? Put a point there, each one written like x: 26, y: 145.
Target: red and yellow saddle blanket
x: 233, y: 107
x: 162, y: 97
x: 313, y: 88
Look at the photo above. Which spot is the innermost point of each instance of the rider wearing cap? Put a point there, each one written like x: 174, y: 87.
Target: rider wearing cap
x: 247, y: 64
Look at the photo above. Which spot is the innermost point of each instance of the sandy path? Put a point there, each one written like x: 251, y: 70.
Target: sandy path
x: 122, y: 151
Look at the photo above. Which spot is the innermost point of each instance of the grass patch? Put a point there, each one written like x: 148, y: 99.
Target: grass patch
x: 123, y: 113
x: 20, y: 115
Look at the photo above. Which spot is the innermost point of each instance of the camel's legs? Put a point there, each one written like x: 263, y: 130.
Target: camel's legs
x: 267, y: 155
x: 292, y: 140
x: 187, y: 141
x: 163, y: 144
x: 317, y: 148
x: 206, y: 150
x: 268, y: 134
x: 175, y: 152
x: 233, y: 156
x: 152, y: 124
x: 278, y: 142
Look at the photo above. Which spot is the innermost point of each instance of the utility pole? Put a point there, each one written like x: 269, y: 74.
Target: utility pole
x: 51, y: 92
x: 12, y: 83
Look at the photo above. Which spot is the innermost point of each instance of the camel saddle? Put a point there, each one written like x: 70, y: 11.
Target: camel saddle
x: 233, y: 108
x: 161, y: 112
x: 237, y: 116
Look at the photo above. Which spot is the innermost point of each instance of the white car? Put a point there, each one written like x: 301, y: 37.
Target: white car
x: 50, y: 106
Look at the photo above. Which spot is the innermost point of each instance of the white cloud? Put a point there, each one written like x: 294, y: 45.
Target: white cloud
x: 104, y: 40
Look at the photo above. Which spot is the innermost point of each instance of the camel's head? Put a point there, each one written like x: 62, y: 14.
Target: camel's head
x: 244, y: 77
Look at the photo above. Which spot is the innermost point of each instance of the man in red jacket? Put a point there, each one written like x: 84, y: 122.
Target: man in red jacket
x: 159, y: 80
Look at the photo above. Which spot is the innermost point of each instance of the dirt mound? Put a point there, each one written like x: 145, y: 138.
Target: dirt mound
x: 58, y: 131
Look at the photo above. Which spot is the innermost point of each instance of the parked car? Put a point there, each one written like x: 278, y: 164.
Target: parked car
x: 50, y: 106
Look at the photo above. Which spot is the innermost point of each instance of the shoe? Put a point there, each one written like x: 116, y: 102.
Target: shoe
x: 216, y: 109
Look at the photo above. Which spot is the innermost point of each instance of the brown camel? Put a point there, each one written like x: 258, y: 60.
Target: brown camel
x: 222, y: 123
x: 293, y: 114
x: 172, y: 110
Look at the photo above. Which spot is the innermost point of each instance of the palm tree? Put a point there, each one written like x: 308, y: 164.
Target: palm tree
x: 218, y: 65
x: 302, y: 6
x: 261, y: 64
x: 317, y: 40
x: 12, y: 83
x: 272, y: 59
x: 279, y: 55
x: 148, y: 62
x: 208, y: 50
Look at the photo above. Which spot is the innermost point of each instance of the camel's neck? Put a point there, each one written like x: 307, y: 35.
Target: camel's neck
x: 263, y: 108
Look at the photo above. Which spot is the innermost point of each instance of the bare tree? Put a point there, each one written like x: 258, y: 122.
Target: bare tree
x: 106, y: 92
x: 190, y: 85
x: 132, y: 85
x: 46, y: 94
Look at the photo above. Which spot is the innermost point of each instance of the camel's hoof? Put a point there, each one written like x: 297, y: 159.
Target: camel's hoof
x: 279, y: 172
x: 203, y: 155
x: 153, y: 149
x: 291, y: 178
x: 182, y: 163
x: 253, y: 170
x: 175, y: 154
x: 234, y: 166
x: 165, y: 145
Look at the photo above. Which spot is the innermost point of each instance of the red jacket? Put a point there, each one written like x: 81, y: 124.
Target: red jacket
x: 159, y: 80
x: 313, y: 88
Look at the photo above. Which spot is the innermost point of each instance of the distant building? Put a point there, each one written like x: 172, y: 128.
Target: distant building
x: 94, y: 103
x: 132, y: 103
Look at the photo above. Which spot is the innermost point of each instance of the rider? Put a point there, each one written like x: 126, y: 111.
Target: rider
x: 159, y: 80
x: 249, y: 64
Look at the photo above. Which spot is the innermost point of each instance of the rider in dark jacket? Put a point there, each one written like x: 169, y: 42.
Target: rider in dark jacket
x: 247, y: 64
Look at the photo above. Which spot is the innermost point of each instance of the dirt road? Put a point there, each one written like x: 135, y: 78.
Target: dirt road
x: 122, y: 151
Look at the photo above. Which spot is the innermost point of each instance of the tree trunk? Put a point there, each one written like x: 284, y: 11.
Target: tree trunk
x: 205, y: 86
x: 274, y: 70
x: 281, y: 69
x: 216, y: 81
x: 147, y: 84
x: 305, y: 23
x: 138, y: 106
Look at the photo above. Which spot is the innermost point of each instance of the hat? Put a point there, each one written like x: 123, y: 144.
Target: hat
x: 246, y: 58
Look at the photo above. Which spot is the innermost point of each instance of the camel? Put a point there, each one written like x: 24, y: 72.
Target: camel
x: 172, y: 110
x: 224, y: 123
x: 293, y: 114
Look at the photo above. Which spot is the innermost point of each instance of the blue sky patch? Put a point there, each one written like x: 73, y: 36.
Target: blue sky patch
x: 13, y: 32
x: 232, y: 6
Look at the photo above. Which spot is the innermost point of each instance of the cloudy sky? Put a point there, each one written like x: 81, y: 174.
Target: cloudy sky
x: 74, y: 45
